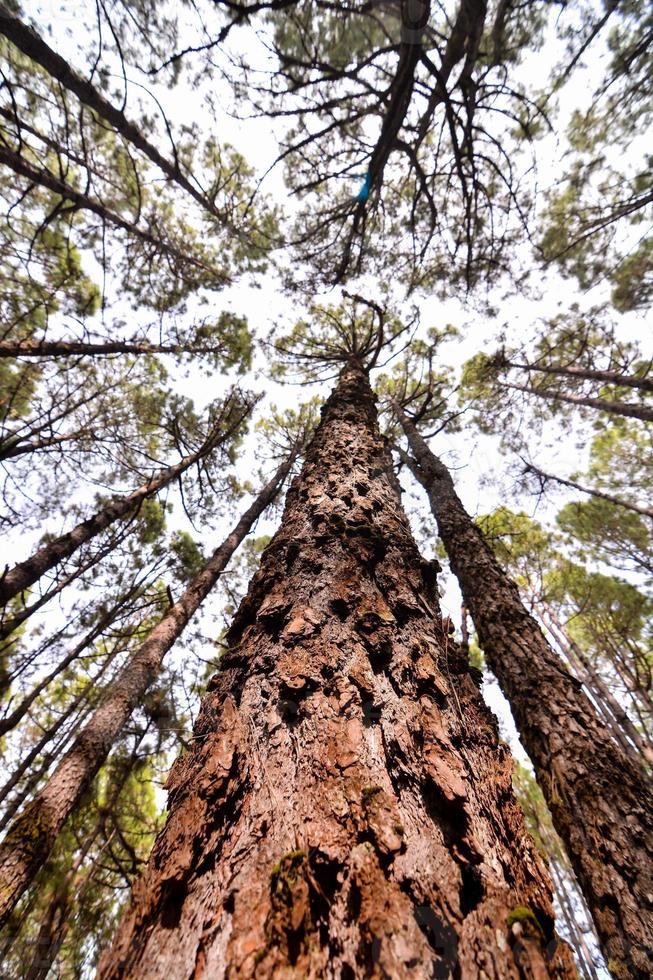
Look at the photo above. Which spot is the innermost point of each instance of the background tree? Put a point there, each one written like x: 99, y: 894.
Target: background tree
x: 372, y: 604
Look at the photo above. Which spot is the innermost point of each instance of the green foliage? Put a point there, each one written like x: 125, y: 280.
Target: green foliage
x: 601, y: 531
x: 356, y: 328
x: 188, y: 557
x: 592, y: 223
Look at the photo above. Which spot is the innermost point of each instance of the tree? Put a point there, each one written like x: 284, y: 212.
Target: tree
x: 383, y: 859
x: 22, y: 851
x: 595, y: 621
x: 594, y: 792
x: 22, y: 576
x: 574, y: 913
x: 409, y: 140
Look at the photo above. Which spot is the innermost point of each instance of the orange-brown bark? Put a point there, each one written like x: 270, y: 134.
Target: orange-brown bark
x: 346, y: 809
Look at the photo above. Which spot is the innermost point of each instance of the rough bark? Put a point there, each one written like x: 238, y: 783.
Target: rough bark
x: 26, y: 573
x: 627, y: 409
x: 600, y: 800
x: 32, y: 835
x: 588, y: 374
x: 346, y: 809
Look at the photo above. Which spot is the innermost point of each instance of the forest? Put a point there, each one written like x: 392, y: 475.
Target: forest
x: 326, y: 489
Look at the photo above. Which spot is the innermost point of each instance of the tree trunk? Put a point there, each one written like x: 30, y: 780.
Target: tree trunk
x: 16, y: 715
x: 546, y: 477
x: 583, y: 953
x: 601, y: 802
x: 78, y: 348
x: 51, y: 935
x: 346, y: 808
x: 27, y: 572
x: 43, y: 177
x: 84, y: 700
x: 8, y: 626
x: 595, y: 682
x: 588, y: 374
x: 32, y: 835
x: 70, y: 890
x: 627, y: 409
x: 9, y: 450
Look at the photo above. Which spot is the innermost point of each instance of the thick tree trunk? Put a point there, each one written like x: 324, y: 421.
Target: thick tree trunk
x: 601, y: 802
x: 627, y: 409
x: 26, y: 573
x: 588, y: 374
x: 346, y: 809
x: 32, y: 835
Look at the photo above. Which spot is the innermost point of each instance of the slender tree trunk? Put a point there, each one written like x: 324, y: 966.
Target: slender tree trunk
x: 43, y: 177
x: 588, y: 680
x: 51, y: 935
x: 601, y: 802
x: 30, y: 43
x: 10, y: 449
x: 81, y: 700
x: 580, y: 668
x: 75, y: 348
x: 32, y: 835
x: 8, y: 626
x: 587, y: 374
x: 627, y: 409
x: 26, y: 573
x: 584, y: 954
x: 56, y: 921
x: 18, y: 713
x: 594, y: 681
x: 547, y: 477
x: 346, y: 807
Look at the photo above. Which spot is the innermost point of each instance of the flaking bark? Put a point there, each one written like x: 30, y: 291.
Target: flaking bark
x: 346, y: 809
x: 600, y: 800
